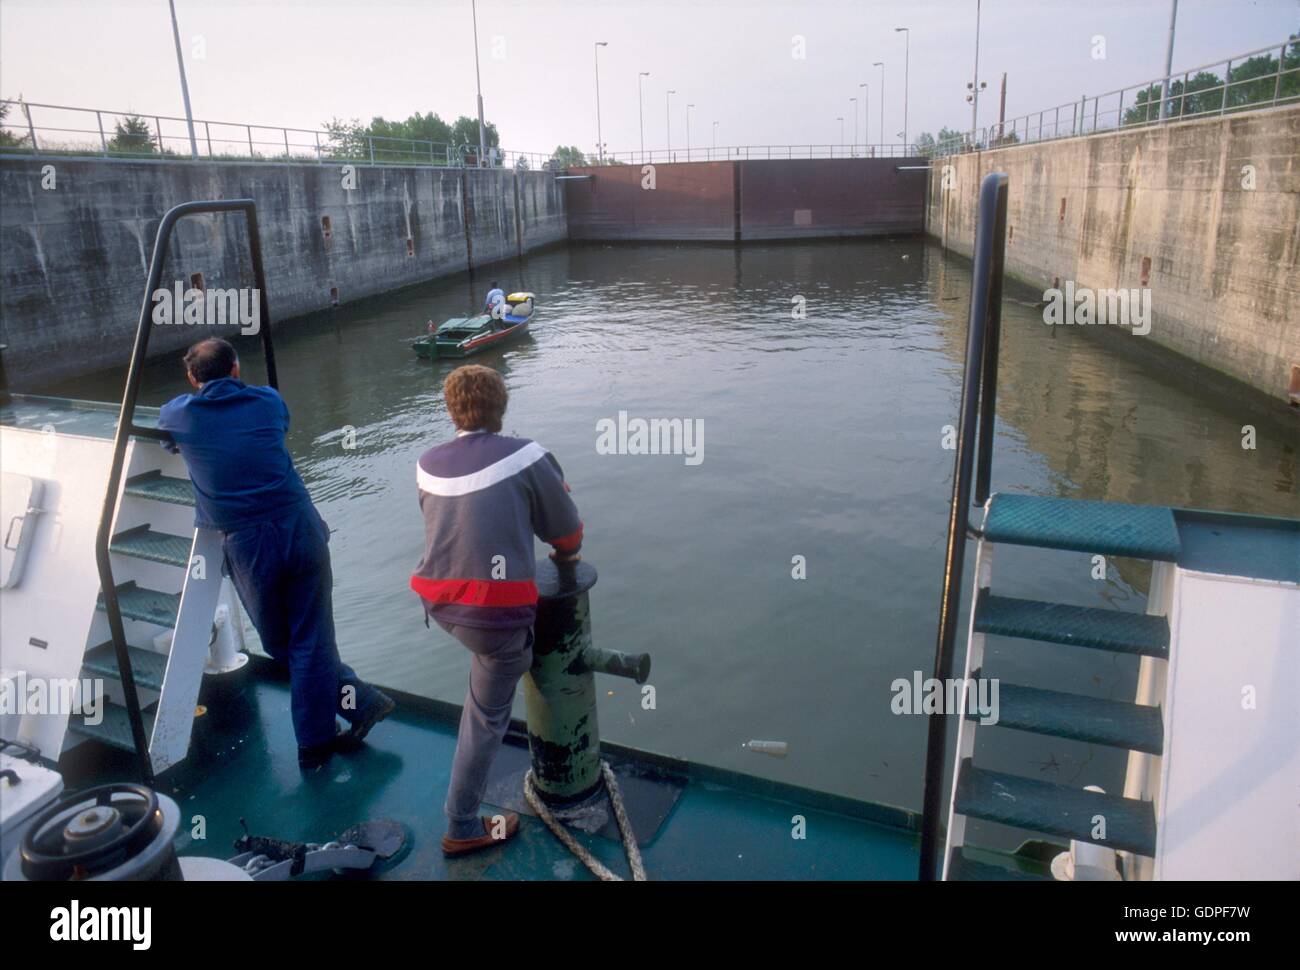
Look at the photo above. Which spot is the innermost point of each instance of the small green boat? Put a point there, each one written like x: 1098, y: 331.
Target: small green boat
x: 464, y: 336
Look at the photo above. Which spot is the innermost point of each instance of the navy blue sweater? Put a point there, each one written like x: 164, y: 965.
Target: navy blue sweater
x: 231, y: 436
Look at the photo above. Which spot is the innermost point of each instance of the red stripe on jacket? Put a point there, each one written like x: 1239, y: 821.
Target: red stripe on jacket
x: 476, y: 592
x: 570, y: 543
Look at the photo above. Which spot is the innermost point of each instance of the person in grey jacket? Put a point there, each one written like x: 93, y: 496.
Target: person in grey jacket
x: 484, y: 496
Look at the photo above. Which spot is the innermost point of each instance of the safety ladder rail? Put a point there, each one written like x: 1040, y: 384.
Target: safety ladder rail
x: 126, y: 428
x: 978, y: 406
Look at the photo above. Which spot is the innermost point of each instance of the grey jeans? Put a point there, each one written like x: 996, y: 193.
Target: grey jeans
x: 500, y: 658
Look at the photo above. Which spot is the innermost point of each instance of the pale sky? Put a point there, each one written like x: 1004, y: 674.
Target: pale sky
x: 279, y: 62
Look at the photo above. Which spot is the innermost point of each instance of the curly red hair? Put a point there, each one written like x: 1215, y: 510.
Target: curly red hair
x: 476, y: 398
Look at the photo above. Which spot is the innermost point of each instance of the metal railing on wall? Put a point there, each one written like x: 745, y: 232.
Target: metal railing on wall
x: 657, y: 156
x: 1263, y: 78
x: 53, y: 129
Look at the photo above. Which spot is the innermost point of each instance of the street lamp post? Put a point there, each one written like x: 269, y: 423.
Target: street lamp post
x: 600, y: 141
x: 478, y: 84
x: 640, y: 107
x: 881, y: 65
x: 840, y: 119
x: 907, y: 57
x: 185, y: 88
x: 866, y: 124
x: 688, y: 131
x: 975, y: 84
x: 668, y: 122
x: 1169, y: 62
x: 715, y: 135
x: 853, y: 149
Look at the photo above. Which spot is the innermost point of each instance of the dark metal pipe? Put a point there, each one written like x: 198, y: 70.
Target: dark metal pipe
x: 989, y: 244
x: 634, y: 666
x: 126, y: 428
x: 992, y: 341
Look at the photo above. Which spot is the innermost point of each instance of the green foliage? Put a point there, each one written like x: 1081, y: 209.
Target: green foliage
x: 924, y: 143
x: 1251, y: 82
x: 420, y: 138
x: 567, y: 156
x: 7, y: 138
x: 132, y: 136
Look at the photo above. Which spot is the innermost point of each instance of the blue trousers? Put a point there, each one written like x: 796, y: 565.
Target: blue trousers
x: 281, y: 570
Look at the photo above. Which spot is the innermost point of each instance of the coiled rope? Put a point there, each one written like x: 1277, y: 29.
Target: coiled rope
x: 630, y: 848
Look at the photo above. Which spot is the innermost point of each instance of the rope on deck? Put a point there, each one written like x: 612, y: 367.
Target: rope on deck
x: 630, y: 848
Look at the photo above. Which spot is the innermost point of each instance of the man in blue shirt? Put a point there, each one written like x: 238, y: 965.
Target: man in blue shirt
x: 496, y: 297
x: 276, y: 548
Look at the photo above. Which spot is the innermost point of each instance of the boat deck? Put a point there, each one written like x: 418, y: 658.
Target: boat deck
x: 721, y: 825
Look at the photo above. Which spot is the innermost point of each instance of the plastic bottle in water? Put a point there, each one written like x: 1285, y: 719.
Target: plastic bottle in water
x: 776, y: 749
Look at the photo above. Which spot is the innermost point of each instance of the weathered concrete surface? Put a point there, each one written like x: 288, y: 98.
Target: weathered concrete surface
x: 73, y: 258
x: 741, y: 200
x: 1165, y: 207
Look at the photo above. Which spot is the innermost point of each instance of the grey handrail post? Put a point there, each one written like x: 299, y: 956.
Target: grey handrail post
x: 285, y: 132
x: 31, y: 129
x: 158, y: 124
x: 207, y: 133
x: 249, y: 130
x: 103, y: 142
x: 371, y: 140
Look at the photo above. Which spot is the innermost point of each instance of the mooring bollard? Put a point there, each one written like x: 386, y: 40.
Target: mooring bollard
x: 560, y: 689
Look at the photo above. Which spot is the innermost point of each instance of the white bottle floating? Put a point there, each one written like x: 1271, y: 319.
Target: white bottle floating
x: 775, y: 749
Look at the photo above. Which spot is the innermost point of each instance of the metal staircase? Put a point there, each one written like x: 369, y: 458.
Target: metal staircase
x: 1090, y: 527
x: 158, y: 728
x: 1047, y: 523
x: 175, y: 673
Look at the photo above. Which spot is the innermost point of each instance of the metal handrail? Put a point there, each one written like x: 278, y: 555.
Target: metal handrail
x: 1087, y: 116
x: 731, y: 153
x: 233, y: 141
x: 126, y: 428
x: 978, y: 405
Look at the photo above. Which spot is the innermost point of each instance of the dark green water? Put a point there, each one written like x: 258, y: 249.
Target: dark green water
x: 822, y: 439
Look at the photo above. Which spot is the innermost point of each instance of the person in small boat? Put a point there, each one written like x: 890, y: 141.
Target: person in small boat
x: 496, y: 297
x: 275, y: 543
x: 484, y: 496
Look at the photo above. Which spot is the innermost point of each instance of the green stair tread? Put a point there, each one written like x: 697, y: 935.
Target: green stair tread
x: 160, y: 488
x: 114, y: 728
x: 1109, y: 528
x: 1042, y: 806
x: 1080, y: 626
x: 144, y: 543
x: 149, y: 605
x: 1136, y: 727
x: 963, y: 868
x: 147, y: 666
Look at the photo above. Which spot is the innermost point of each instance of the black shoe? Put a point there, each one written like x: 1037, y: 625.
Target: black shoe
x: 381, y: 706
x: 316, y: 756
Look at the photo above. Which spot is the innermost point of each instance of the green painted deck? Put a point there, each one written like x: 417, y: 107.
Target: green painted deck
x: 723, y: 826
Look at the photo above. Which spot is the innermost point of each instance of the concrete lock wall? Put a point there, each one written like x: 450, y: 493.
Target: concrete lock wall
x: 751, y: 199
x: 75, y: 256
x: 1170, y: 208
